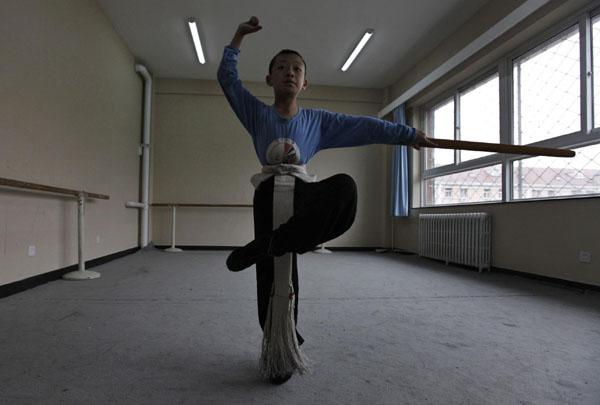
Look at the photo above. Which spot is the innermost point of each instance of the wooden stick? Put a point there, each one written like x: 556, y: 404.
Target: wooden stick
x: 500, y: 148
x: 49, y: 189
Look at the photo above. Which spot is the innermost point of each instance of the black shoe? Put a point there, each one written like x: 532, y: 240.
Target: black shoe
x: 246, y: 256
x: 278, y: 380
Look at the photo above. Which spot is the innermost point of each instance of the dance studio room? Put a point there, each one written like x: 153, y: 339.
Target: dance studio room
x: 299, y: 202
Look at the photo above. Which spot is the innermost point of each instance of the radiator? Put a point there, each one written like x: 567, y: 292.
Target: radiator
x: 456, y: 238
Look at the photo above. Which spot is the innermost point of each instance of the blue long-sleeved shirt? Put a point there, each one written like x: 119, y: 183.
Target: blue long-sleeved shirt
x: 296, y: 140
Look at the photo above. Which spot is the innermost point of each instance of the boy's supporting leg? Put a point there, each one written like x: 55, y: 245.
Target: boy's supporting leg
x: 322, y: 211
x: 263, y: 225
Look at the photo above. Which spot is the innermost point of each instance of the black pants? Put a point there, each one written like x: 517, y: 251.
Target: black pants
x: 322, y: 211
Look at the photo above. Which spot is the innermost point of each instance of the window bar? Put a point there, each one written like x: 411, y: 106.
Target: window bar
x: 422, y: 156
x: 586, y: 79
x: 457, y: 156
x: 505, y: 77
x: 519, y: 130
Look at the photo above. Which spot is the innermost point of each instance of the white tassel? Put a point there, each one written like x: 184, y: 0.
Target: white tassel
x: 281, y: 355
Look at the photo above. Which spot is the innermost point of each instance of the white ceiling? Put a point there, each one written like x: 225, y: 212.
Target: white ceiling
x: 323, y: 31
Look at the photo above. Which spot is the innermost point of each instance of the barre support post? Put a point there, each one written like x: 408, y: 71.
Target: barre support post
x: 322, y: 250
x: 173, y: 249
x: 82, y: 273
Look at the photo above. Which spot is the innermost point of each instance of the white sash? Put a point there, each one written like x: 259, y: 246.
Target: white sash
x: 281, y: 353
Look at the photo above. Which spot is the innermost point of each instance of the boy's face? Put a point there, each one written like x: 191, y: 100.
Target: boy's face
x: 287, y: 75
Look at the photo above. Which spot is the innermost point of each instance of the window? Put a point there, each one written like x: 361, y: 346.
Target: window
x: 547, y: 90
x: 479, y: 119
x: 548, y: 103
x: 441, y: 123
x: 473, y: 185
x: 558, y: 177
x: 550, y: 77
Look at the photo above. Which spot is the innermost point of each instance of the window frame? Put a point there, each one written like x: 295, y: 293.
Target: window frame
x: 586, y: 136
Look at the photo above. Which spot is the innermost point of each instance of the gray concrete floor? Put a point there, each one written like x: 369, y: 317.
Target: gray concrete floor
x: 161, y: 328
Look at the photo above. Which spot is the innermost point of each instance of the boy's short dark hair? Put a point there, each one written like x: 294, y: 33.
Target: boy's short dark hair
x: 285, y: 52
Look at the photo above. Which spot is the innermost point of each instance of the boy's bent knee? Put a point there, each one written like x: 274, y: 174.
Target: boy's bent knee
x: 344, y: 183
x: 346, y: 193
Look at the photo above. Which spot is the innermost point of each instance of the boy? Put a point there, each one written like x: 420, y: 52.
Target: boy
x: 285, y: 137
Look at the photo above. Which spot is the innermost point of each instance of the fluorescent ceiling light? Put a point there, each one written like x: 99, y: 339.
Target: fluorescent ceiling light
x: 358, y: 48
x: 196, y: 37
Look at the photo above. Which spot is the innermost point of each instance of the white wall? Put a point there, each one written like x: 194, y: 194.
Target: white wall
x: 70, y: 116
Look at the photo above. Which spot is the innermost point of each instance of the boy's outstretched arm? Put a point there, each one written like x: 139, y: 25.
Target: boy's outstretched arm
x: 247, y: 27
x: 243, y: 103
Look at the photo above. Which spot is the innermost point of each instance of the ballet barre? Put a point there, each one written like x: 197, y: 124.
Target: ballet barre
x: 174, y: 206
x: 81, y: 273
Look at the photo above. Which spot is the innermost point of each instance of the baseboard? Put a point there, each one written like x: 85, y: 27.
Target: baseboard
x: 531, y: 276
x: 196, y: 247
x: 550, y: 280
x: 351, y: 249
x: 31, y: 282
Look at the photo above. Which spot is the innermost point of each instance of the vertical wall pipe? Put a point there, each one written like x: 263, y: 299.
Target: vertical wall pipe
x: 141, y: 69
x: 81, y: 230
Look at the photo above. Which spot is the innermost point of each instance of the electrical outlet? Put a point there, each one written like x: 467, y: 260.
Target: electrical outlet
x: 31, y: 251
x: 585, y: 257
x: 98, y: 239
